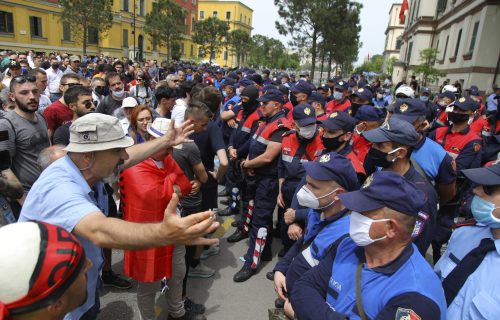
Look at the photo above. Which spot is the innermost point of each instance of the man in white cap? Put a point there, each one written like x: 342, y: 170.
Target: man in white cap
x: 125, y: 112
x: 43, y: 271
x: 70, y: 193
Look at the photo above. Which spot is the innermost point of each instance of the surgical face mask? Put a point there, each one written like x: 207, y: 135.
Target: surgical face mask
x: 442, y: 103
x: 379, y: 158
x: 119, y: 94
x: 359, y: 132
x: 337, y: 95
x: 307, y: 132
x: 380, y: 96
x: 483, y: 212
x: 424, y: 98
x: 359, y: 229
x: 307, y: 199
x: 224, y: 93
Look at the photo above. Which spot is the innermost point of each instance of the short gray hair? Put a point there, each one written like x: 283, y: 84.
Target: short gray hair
x: 49, y: 155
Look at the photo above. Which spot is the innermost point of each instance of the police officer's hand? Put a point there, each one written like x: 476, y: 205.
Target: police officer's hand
x: 232, y: 123
x: 289, y: 216
x: 233, y: 154
x: 288, y: 309
x: 189, y: 230
x: 294, y: 231
x: 281, y: 202
x: 280, y: 285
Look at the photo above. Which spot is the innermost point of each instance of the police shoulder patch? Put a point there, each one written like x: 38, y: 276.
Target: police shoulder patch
x: 406, y: 314
x: 461, y: 99
x: 324, y: 158
x: 403, y: 107
x: 307, y: 111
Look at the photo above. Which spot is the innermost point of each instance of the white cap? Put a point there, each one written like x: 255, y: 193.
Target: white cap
x: 129, y: 102
x: 406, y: 90
x: 159, y: 127
x: 449, y: 87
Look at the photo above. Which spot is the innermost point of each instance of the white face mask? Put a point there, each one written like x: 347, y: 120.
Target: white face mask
x: 307, y: 199
x: 119, y: 94
x: 359, y: 229
x: 359, y: 132
x: 308, y: 131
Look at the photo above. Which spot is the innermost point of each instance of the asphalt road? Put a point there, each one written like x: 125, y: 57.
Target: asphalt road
x: 223, y: 298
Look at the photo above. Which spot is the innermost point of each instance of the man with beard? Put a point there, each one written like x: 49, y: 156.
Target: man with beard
x: 360, y: 97
x: 70, y: 194
x: 116, y: 95
x: 27, y: 130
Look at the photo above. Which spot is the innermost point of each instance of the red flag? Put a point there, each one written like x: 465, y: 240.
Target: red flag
x: 404, y: 8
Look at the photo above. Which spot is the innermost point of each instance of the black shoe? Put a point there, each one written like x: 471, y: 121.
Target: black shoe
x: 227, y: 212
x: 238, y: 235
x: 266, y: 257
x: 282, y: 252
x: 270, y: 276
x: 279, y: 304
x: 195, y: 308
x: 225, y: 202
x: 223, y: 193
x: 276, y: 233
x: 109, y: 278
x: 189, y: 315
x: 244, y: 274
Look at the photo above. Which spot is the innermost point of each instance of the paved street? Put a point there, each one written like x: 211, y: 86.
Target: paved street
x: 223, y: 298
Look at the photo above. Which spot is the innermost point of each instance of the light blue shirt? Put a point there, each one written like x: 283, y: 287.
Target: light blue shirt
x: 491, y: 102
x: 61, y: 196
x: 479, y: 298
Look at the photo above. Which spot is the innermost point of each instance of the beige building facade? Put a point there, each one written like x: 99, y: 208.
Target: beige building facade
x: 393, y: 36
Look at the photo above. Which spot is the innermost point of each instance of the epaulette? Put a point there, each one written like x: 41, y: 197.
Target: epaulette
x: 465, y: 223
x: 289, y: 132
x: 280, y: 123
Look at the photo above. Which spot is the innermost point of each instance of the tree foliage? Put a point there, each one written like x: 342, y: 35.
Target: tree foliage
x: 86, y: 15
x: 425, y: 69
x: 372, y: 65
x: 165, y: 24
x: 271, y: 53
x: 239, y: 42
x: 210, y: 35
x: 390, y: 65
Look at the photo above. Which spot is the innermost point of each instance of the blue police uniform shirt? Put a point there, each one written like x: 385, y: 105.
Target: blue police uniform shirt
x: 61, y: 196
x: 479, y: 298
x: 230, y: 104
x: 434, y: 161
x: 491, y: 102
x: 405, y: 288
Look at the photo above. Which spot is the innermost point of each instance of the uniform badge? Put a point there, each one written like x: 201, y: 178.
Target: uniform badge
x: 403, y: 107
x: 349, y: 111
x: 324, y: 158
x: 334, y: 114
x: 406, y: 314
x: 341, y: 83
x: 476, y: 147
x: 461, y: 99
x: 361, y: 90
x: 307, y: 111
x: 368, y: 182
x: 419, y: 224
x: 88, y: 136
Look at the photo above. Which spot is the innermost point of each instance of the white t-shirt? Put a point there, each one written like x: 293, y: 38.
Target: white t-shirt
x: 43, y: 103
x: 179, y: 111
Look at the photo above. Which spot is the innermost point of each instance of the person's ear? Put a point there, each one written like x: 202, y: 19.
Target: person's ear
x: 12, y: 97
x: 57, y: 307
x: 392, y: 228
x: 347, y: 136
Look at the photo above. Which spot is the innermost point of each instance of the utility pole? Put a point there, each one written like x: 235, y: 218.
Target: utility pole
x: 134, y: 31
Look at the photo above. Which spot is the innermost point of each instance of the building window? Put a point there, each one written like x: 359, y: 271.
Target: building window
x: 474, y: 36
x: 202, y: 15
x: 399, y: 43
x: 125, y: 5
x: 142, y: 8
x: 446, y: 47
x: 241, y: 17
x: 458, y: 42
x: 125, y: 38
x: 36, y: 26
x: 194, y: 2
x: 6, y: 22
x: 228, y: 15
x: 93, y: 35
x: 249, y: 22
x: 182, y: 49
x: 193, y: 21
x: 410, y: 48
x: 191, y: 52
x: 66, y: 31
x: 441, y: 6
x: 214, y: 14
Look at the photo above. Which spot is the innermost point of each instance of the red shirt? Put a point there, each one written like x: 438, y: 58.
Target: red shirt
x: 57, y: 114
x: 342, y: 105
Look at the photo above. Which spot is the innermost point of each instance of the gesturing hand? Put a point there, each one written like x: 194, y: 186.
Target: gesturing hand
x: 176, y: 136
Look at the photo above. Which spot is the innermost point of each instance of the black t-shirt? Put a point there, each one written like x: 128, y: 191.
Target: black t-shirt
x: 209, y: 142
x: 61, y: 135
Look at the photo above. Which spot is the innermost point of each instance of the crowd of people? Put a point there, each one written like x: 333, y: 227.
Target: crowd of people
x: 385, y: 199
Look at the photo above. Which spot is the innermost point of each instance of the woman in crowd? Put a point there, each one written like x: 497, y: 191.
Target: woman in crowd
x: 139, y: 120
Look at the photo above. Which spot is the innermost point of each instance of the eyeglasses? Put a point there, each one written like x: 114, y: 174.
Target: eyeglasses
x: 88, y: 104
x: 70, y: 84
x: 23, y: 78
x: 139, y: 79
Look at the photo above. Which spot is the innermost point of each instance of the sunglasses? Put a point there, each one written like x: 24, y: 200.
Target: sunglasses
x: 70, y: 84
x: 175, y: 80
x: 23, y: 78
x: 139, y: 79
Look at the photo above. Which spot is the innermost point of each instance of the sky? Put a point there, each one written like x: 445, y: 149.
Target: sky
x: 374, y: 19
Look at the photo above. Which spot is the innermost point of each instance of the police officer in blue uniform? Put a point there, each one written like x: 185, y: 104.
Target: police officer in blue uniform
x: 431, y: 109
x: 376, y: 273
x: 327, y: 219
x: 391, y: 150
x: 469, y: 265
x: 262, y: 161
x: 230, y: 109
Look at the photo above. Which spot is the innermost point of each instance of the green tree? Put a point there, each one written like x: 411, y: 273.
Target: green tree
x: 85, y: 16
x: 240, y: 43
x: 271, y: 53
x: 165, y: 24
x: 390, y: 65
x: 372, y: 65
x: 425, y: 69
x: 210, y: 35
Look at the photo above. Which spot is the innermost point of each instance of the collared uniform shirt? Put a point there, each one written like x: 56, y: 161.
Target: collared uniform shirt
x: 61, y: 196
x: 479, y: 298
x: 53, y: 79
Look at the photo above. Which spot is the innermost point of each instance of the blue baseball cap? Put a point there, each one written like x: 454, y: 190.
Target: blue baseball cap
x: 425, y: 90
x: 304, y: 114
x: 394, y: 130
x: 363, y: 93
x: 368, y: 113
x: 245, y: 82
x: 341, y: 85
x: 466, y: 103
x: 385, y: 189
x: 284, y: 89
x: 302, y: 87
x: 409, y: 109
x: 447, y: 94
x: 317, y: 97
x: 272, y: 95
x: 488, y: 176
x: 229, y: 82
x: 339, y: 120
x: 333, y: 166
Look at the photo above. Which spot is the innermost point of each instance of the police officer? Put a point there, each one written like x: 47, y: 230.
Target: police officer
x: 367, y: 118
x: 299, y: 146
x: 318, y: 101
x: 262, y: 161
x: 327, y: 219
x: 428, y: 157
x: 360, y: 97
x: 378, y: 100
x: 339, y: 100
x: 468, y: 267
x: 464, y: 146
x: 392, y: 146
x: 443, y: 100
x: 431, y: 109
x: 302, y: 91
x: 376, y: 273
x: 229, y: 109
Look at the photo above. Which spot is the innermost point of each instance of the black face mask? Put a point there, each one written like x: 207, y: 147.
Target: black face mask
x: 332, y: 144
x: 293, y: 100
x: 55, y: 66
x: 355, y: 107
x: 250, y: 104
x: 102, y: 91
x: 379, y: 158
x: 458, y: 117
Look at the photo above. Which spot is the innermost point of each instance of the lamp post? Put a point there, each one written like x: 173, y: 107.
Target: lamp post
x: 134, y: 31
